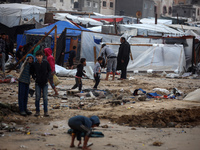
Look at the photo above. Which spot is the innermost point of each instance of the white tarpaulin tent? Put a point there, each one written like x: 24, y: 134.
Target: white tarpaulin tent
x: 11, y: 14
x: 160, y: 57
x: 151, y: 29
x: 76, y: 19
x: 152, y: 21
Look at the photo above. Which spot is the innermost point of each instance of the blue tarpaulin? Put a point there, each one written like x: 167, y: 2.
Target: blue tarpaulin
x: 61, y: 25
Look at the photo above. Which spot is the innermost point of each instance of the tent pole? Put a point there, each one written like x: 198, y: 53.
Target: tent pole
x: 193, y: 54
x: 95, y: 55
x: 31, y: 50
x: 55, y: 42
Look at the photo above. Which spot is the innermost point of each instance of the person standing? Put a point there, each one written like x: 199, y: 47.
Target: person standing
x: 41, y: 71
x: 111, y: 60
x: 123, y: 57
x: 2, y: 53
x: 51, y: 60
x: 72, y: 55
x: 97, y: 72
x: 24, y: 81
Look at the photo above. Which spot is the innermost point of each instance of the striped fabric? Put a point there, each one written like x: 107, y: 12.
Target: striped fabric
x: 25, y: 75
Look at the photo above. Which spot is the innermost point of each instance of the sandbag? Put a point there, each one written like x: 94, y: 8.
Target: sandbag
x: 193, y: 96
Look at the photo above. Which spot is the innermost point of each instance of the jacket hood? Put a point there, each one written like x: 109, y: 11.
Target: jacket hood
x: 95, y: 120
x: 31, y: 56
x: 48, y: 51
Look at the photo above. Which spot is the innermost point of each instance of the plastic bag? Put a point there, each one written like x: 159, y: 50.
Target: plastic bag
x: 56, y: 81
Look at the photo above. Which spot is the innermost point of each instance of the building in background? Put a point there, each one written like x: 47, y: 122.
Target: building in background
x: 163, y: 7
x: 187, y: 9
x: 107, y: 7
x: 130, y: 7
x: 87, y: 5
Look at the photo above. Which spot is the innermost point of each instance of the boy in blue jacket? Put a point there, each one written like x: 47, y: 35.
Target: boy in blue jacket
x: 24, y: 81
x: 83, y: 124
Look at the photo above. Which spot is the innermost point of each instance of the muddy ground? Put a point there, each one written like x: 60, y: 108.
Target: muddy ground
x: 173, y: 124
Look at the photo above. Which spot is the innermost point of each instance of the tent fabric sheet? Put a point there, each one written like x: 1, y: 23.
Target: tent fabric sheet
x: 76, y: 19
x: 11, y: 14
x: 160, y: 58
x: 61, y: 71
x: 61, y: 25
x: 175, y: 51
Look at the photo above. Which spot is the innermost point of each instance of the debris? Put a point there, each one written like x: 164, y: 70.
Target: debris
x: 50, y: 144
x: 157, y: 143
x: 55, y: 126
x: 48, y: 134
x: 104, y: 126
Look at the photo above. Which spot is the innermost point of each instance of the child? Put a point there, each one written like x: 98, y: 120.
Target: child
x: 24, y: 81
x: 80, y: 72
x: 41, y: 71
x: 83, y: 124
x: 97, y: 72
x: 51, y: 61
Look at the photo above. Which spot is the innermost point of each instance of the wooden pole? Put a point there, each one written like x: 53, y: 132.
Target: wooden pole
x: 115, y: 21
x: 131, y: 44
x: 55, y: 42
x: 31, y: 50
x: 95, y: 55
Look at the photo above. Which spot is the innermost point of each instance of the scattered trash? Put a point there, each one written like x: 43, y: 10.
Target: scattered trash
x: 48, y: 134
x: 104, y: 126
x: 157, y: 143
x: 50, y: 144
x: 23, y: 146
x: 55, y: 126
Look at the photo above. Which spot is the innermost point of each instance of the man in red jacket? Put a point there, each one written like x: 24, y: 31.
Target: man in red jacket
x: 51, y: 60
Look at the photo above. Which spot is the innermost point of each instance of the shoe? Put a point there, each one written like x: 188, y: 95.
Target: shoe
x: 37, y: 114
x: 46, y: 114
x: 28, y: 112
x: 23, y: 113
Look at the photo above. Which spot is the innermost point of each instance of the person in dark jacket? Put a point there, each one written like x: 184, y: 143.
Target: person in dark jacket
x: 24, y: 81
x: 123, y: 57
x: 41, y: 71
x: 79, y: 74
x: 72, y: 55
x: 82, y: 124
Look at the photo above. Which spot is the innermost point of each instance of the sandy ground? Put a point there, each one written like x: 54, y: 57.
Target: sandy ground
x: 142, y: 115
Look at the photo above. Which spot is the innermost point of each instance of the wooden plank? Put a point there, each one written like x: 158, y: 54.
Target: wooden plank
x: 30, y: 50
x: 95, y: 55
x: 131, y: 44
x: 55, y: 42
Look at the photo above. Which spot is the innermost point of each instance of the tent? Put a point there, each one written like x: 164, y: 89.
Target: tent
x: 159, y: 57
x: 152, y: 21
x: 77, y: 19
x: 61, y: 25
x: 64, y: 36
x: 12, y: 14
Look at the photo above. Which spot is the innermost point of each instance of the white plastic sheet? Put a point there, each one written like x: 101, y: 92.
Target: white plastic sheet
x: 61, y: 71
x: 11, y: 14
x: 159, y: 57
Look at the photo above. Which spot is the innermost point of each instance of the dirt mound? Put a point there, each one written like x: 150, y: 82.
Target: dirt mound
x: 162, y: 118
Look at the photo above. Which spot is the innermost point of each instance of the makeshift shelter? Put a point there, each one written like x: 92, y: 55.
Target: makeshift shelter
x: 66, y: 32
x: 77, y: 19
x: 168, y: 58
x: 152, y: 21
x: 12, y: 14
